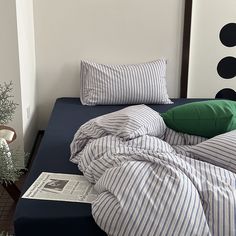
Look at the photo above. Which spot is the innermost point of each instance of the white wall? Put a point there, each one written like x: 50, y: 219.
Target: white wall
x: 66, y: 31
x: 106, y: 31
x: 17, y: 64
x: 26, y: 42
x: 9, y: 63
x: 206, y: 49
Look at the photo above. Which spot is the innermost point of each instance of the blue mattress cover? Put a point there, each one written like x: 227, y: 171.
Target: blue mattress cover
x: 40, y: 217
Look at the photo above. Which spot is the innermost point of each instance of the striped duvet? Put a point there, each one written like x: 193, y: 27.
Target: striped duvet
x: 148, y: 186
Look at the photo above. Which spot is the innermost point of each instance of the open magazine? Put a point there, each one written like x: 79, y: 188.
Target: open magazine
x: 61, y: 187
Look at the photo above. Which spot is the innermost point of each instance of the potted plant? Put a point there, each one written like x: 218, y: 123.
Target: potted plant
x: 9, y: 172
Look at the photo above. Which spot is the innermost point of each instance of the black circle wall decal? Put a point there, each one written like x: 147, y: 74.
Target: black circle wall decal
x: 226, y: 68
x: 226, y: 93
x: 228, y: 35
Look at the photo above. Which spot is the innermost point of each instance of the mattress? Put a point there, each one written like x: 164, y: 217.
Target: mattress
x: 41, y: 217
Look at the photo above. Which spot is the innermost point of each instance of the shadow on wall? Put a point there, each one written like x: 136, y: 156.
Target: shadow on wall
x: 66, y: 85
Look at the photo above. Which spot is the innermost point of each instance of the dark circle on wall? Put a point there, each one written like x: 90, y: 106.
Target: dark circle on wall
x: 226, y: 93
x: 228, y: 35
x: 226, y: 68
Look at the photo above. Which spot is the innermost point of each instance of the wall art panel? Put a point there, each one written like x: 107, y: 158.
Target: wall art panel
x: 212, y: 65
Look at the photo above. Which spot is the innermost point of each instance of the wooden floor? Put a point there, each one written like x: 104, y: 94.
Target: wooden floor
x: 7, y: 209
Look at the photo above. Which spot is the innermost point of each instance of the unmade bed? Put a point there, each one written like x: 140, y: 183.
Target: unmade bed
x: 207, y: 189
x: 40, y: 217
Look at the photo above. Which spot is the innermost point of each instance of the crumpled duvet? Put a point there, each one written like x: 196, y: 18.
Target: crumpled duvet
x: 148, y: 186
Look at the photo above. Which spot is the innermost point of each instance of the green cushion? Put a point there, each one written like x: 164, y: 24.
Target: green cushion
x: 207, y: 118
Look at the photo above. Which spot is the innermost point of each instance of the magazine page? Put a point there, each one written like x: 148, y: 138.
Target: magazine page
x: 61, y: 187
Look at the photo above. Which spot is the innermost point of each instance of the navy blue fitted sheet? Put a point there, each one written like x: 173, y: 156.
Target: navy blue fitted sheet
x: 40, y: 217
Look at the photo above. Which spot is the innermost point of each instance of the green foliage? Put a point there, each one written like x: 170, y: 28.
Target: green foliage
x: 7, y: 105
x: 8, y: 165
x: 8, y: 162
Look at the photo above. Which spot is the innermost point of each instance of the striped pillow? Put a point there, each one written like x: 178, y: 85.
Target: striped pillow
x: 177, y: 138
x: 123, y: 84
x: 220, y: 150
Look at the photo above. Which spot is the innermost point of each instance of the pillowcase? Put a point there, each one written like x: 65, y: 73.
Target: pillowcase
x: 123, y: 84
x: 176, y: 138
x: 220, y: 150
x: 128, y: 123
x: 205, y: 118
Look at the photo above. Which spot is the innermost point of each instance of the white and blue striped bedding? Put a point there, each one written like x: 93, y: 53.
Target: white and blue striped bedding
x: 150, y: 187
x: 123, y: 84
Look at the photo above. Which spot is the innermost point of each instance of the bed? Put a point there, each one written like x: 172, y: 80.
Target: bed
x: 160, y: 169
x: 38, y: 217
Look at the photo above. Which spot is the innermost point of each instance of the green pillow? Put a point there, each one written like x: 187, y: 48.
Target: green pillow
x: 206, y: 118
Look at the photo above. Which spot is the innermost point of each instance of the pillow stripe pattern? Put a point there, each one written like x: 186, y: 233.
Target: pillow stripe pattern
x: 177, y: 138
x: 220, y: 150
x: 123, y: 84
x: 183, y: 150
x: 174, y: 138
x: 193, y: 139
